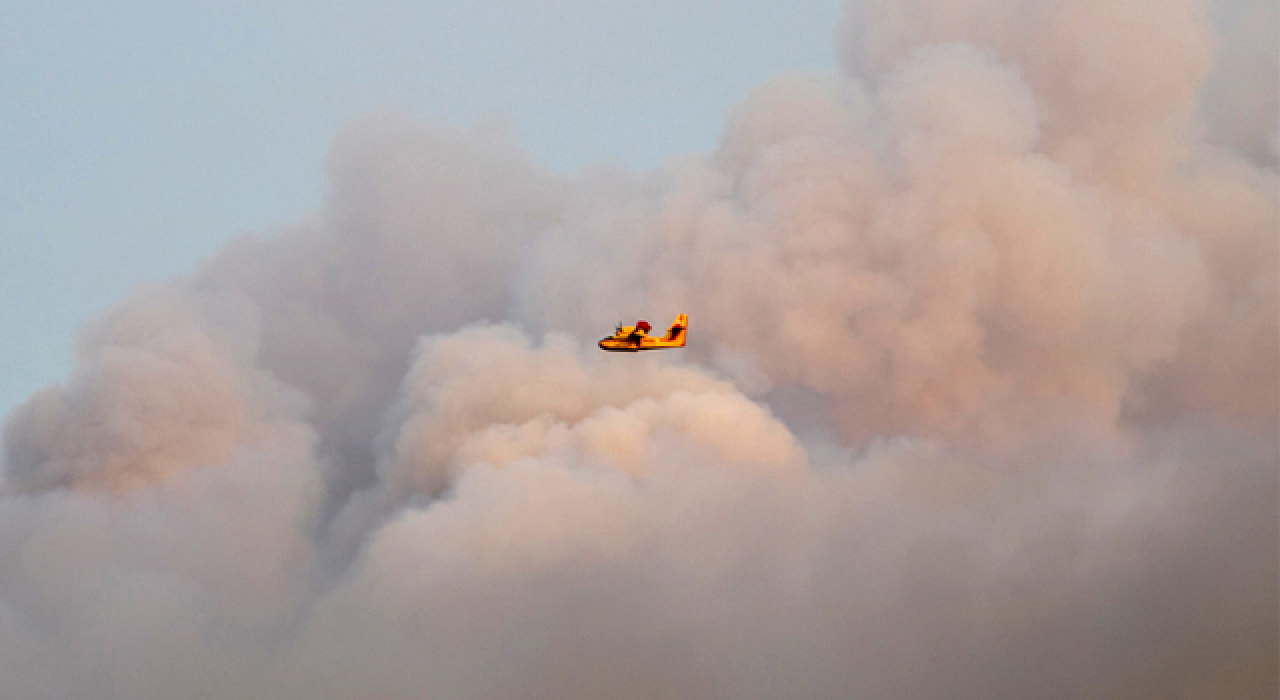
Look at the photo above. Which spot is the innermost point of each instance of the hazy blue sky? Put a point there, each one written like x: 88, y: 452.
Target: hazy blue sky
x: 137, y: 136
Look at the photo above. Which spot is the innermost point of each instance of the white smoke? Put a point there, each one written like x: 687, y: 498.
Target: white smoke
x: 981, y: 400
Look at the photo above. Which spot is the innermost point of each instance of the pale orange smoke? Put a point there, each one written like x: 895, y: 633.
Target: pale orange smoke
x: 981, y: 400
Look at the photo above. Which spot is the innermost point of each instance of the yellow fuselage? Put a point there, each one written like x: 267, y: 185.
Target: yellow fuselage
x: 631, y: 339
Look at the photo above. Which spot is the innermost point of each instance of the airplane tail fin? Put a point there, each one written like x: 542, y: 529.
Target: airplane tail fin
x: 679, y: 330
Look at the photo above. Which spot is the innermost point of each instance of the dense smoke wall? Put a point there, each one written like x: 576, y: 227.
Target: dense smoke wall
x: 980, y: 400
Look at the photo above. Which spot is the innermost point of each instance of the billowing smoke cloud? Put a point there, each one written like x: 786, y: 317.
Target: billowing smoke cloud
x: 981, y: 400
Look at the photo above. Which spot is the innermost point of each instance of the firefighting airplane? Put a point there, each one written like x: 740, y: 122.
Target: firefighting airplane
x: 636, y: 338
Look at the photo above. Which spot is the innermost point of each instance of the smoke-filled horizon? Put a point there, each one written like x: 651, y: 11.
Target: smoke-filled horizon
x: 980, y: 400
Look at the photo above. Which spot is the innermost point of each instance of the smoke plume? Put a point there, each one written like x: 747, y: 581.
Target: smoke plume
x: 980, y: 401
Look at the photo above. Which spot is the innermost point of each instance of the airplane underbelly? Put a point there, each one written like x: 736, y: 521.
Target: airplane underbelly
x: 628, y: 345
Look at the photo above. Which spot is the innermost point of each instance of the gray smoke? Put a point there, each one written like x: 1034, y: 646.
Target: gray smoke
x: 981, y: 400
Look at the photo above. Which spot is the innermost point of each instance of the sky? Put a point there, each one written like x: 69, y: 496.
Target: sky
x: 139, y: 136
